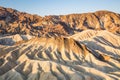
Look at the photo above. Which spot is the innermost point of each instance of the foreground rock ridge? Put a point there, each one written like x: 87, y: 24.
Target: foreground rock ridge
x: 66, y: 47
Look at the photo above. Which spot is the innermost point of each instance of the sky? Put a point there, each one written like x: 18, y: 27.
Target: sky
x: 61, y: 7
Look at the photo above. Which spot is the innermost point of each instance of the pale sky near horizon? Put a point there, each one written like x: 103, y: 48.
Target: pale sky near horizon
x: 61, y: 7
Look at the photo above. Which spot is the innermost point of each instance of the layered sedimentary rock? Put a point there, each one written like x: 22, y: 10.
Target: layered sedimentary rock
x: 87, y: 56
x: 15, y: 22
x: 66, y: 47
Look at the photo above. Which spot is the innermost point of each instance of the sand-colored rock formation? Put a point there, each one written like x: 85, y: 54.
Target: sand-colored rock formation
x: 66, y: 47
x: 92, y: 57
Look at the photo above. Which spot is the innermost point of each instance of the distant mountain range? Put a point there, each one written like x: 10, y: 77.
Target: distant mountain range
x: 15, y: 22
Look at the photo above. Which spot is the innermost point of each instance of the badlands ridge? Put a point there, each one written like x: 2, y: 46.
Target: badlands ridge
x: 66, y: 47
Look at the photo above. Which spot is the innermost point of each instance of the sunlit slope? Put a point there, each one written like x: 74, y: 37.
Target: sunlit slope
x: 94, y: 56
x: 16, y: 22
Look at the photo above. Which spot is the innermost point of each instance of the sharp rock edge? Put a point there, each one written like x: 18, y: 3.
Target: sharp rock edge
x: 60, y: 58
x: 70, y: 47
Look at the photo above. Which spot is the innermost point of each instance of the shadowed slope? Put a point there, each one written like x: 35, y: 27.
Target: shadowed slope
x: 89, y: 50
x: 15, y: 22
x: 56, y: 58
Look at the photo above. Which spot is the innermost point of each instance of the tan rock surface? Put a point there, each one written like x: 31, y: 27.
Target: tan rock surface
x: 59, y: 58
x: 66, y: 47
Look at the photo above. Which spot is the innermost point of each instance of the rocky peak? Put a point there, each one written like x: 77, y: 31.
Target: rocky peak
x: 15, y: 22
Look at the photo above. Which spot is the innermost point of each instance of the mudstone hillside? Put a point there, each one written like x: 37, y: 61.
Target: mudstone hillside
x: 64, y: 47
